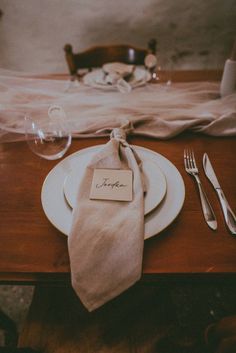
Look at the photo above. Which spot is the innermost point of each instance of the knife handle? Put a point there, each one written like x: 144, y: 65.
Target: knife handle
x: 206, y: 206
x: 230, y: 218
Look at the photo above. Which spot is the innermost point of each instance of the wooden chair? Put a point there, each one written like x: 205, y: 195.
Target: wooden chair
x: 99, y: 55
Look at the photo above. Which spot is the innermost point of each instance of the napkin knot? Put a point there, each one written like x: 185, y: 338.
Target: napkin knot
x: 118, y: 134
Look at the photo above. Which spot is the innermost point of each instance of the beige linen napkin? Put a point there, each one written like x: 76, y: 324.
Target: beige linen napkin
x: 117, y: 74
x: 106, y: 239
x: 116, y: 70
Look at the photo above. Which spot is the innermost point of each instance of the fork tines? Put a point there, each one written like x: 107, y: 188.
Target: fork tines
x: 189, y: 160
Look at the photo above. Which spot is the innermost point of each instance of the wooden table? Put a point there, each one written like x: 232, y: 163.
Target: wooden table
x: 32, y: 250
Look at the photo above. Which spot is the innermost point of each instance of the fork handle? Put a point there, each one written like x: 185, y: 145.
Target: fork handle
x: 206, y: 206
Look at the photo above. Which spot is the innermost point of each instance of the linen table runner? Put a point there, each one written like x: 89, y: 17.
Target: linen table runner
x: 154, y: 110
x: 106, y: 239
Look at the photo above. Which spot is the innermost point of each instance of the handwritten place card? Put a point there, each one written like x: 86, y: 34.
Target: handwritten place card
x: 112, y: 184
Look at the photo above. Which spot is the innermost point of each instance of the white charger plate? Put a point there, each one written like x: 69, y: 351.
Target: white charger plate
x: 96, y: 79
x: 59, y: 212
x: 154, y: 179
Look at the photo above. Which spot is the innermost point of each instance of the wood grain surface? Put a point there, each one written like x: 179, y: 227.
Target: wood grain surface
x: 32, y: 250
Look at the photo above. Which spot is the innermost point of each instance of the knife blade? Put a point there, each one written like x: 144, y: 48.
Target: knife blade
x: 229, y: 216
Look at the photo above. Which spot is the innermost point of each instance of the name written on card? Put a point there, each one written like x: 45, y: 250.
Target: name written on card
x: 112, y: 184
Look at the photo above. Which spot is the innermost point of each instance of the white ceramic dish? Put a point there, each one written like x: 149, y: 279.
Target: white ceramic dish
x: 59, y: 212
x: 96, y: 79
x: 154, y: 179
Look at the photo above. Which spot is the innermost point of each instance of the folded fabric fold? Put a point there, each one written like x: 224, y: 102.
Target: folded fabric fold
x: 106, y: 239
x: 119, y: 69
x: 155, y: 110
x: 116, y: 74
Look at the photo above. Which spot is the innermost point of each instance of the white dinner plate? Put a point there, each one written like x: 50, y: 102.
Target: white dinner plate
x: 96, y: 79
x: 154, y: 179
x: 59, y: 212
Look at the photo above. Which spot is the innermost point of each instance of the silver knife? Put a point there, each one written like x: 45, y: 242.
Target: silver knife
x: 230, y: 218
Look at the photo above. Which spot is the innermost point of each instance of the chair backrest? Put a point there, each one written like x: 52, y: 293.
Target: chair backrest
x: 99, y: 55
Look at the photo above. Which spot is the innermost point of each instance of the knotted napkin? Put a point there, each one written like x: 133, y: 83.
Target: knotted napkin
x: 117, y: 75
x: 106, y: 239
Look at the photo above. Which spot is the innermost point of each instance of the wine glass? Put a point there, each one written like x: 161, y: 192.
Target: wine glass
x: 150, y: 62
x: 159, y: 69
x: 47, y: 133
x: 164, y: 71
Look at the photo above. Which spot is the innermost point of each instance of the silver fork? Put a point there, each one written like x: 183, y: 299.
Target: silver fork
x: 191, y: 168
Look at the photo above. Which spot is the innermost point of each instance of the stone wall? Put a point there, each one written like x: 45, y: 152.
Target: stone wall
x: 190, y: 33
